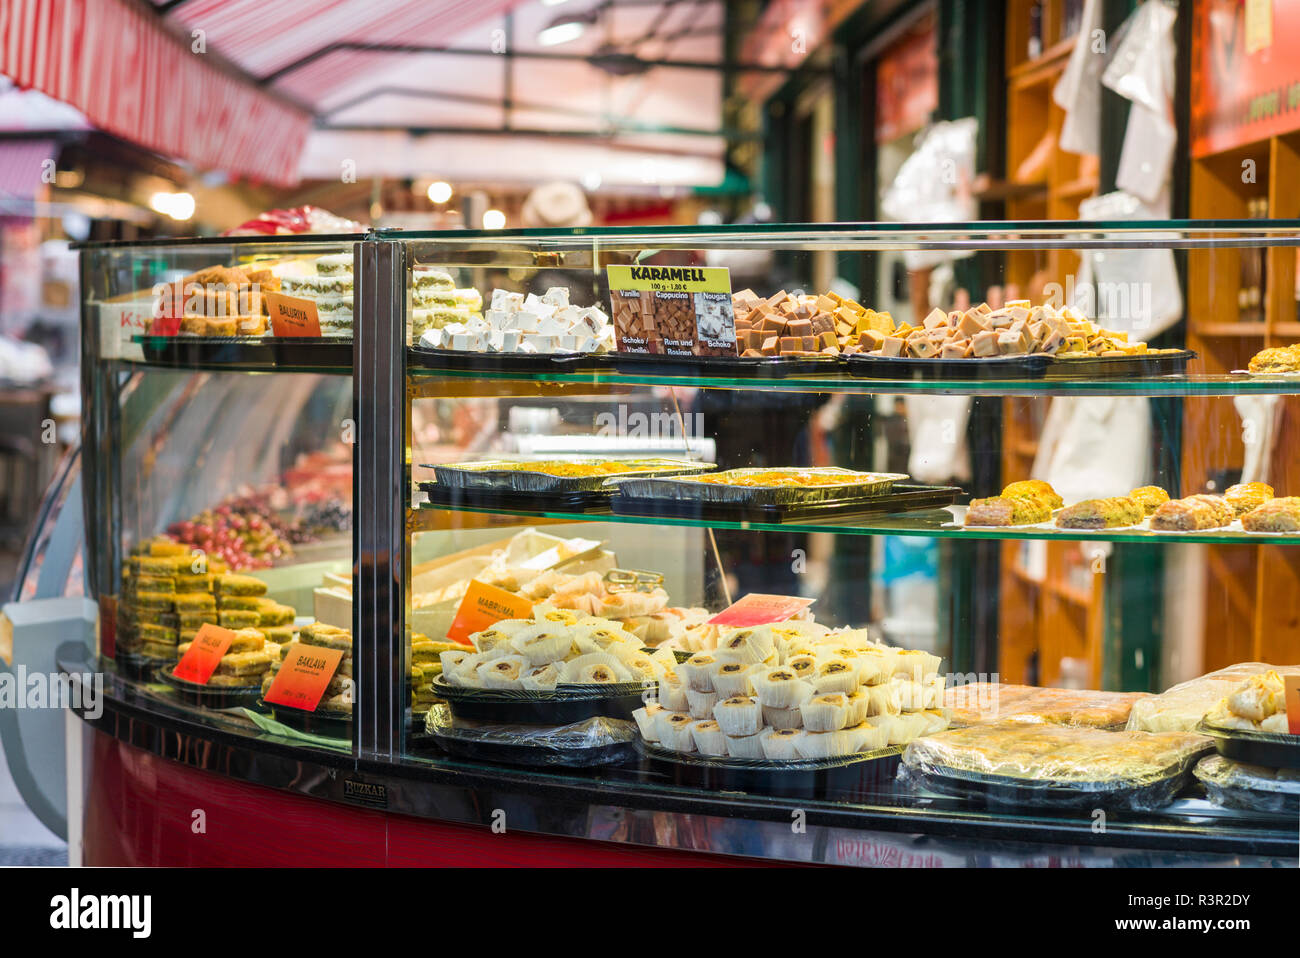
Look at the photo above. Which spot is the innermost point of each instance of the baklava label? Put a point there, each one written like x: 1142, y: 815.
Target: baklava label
x: 672, y: 310
x: 204, y: 654
x: 482, y: 606
x: 758, y: 608
x: 292, y: 316
x: 304, y: 675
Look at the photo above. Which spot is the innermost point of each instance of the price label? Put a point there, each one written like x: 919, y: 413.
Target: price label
x: 484, y: 604
x: 758, y: 608
x: 292, y: 316
x: 204, y: 654
x: 304, y: 674
x: 1292, y: 685
x: 672, y: 310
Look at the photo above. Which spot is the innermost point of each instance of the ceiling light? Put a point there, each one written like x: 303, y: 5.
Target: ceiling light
x: 494, y: 220
x: 591, y: 180
x: 179, y: 206
x: 566, y: 28
x: 439, y: 191
x: 553, y: 3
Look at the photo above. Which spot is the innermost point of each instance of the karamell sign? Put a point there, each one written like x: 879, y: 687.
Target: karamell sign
x: 1292, y: 686
x: 672, y: 310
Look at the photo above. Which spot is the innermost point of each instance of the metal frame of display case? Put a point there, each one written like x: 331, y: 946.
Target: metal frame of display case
x: 458, y: 791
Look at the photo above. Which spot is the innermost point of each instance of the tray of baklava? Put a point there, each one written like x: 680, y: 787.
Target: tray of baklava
x: 1245, y: 508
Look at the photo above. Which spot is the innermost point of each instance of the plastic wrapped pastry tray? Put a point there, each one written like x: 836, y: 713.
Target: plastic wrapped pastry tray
x: 1122, y: 367
x: 849, y: 485
x: 563, y: 706
x: 270, y: 352
x: 431, y: 358
x: 210, y: 696
x: 1271, y: 749
x: 905, y: 367
x: 1253, y: 788
x: 901, y: 498
x: 326, y: 722
x: 839, y: 778
x: 585, y: 743
x: 757, y: 367
x: 502, y: 476
x: 1031, y: 765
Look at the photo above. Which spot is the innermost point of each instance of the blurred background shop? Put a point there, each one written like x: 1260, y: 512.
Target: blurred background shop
x: 170, y: 118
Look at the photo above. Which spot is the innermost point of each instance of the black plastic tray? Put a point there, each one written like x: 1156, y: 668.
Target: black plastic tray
x: 218, y: 697
x: 593, y: 500
x: 1000, y: 790
x: 905, y: 367
x: 270, y: 352
x: 139, y: 667
x: 1270, y: 749
x: 1121, y: 367
x: 534, y: 756
x: 540, y: 708
x: 840, y: 778
x: 760, y: 367
x: 902, y: 498
x: 329, y: 724
x: 501, y: 362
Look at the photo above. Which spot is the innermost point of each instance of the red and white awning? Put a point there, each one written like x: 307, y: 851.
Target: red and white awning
x: 134, y: 79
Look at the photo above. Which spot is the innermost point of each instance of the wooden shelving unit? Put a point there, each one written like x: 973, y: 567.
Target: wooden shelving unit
x: 1041, y: 622
x: 1252, y: 600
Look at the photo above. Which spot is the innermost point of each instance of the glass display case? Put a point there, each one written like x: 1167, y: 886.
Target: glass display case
x: 665, y: 537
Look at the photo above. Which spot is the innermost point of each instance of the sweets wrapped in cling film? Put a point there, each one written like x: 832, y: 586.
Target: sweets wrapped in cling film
x: 980, y: 703
x: 1182, y: 707
x: 1257, y: 705
x: 1251, y: 787
x: 1277, y: 515
x: 1054, y: 753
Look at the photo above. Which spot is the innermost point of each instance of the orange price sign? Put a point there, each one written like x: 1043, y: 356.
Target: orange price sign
x: 758, y: 608
x: 292, y: 315
x: 303, y: 677
x: 484, y: 604
x: 204, y: 654
x: 1292, y: 685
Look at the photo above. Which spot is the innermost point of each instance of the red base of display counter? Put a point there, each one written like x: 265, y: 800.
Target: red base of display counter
x: 144, y: 810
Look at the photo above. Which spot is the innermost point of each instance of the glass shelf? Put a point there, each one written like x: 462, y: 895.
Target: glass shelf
x: 425, y: 383
x: 936, y: 524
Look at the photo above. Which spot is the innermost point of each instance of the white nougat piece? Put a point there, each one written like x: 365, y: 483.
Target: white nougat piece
x: 432, y: 338
x: 556, y: 296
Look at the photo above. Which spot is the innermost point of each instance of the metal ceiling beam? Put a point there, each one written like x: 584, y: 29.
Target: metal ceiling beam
x: 482, y: 100
x: 608, y: 139
x: 608, y: 132
x: 594, y: 59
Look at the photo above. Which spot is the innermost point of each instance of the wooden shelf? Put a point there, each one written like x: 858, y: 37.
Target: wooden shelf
x: 1023, y: 575
x: 1069, y: 594
x: 988, y: 190
x: 1230, y: 329
x: 1286, y: 329
x: 1053, y: 56
x: 1081, y: 188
